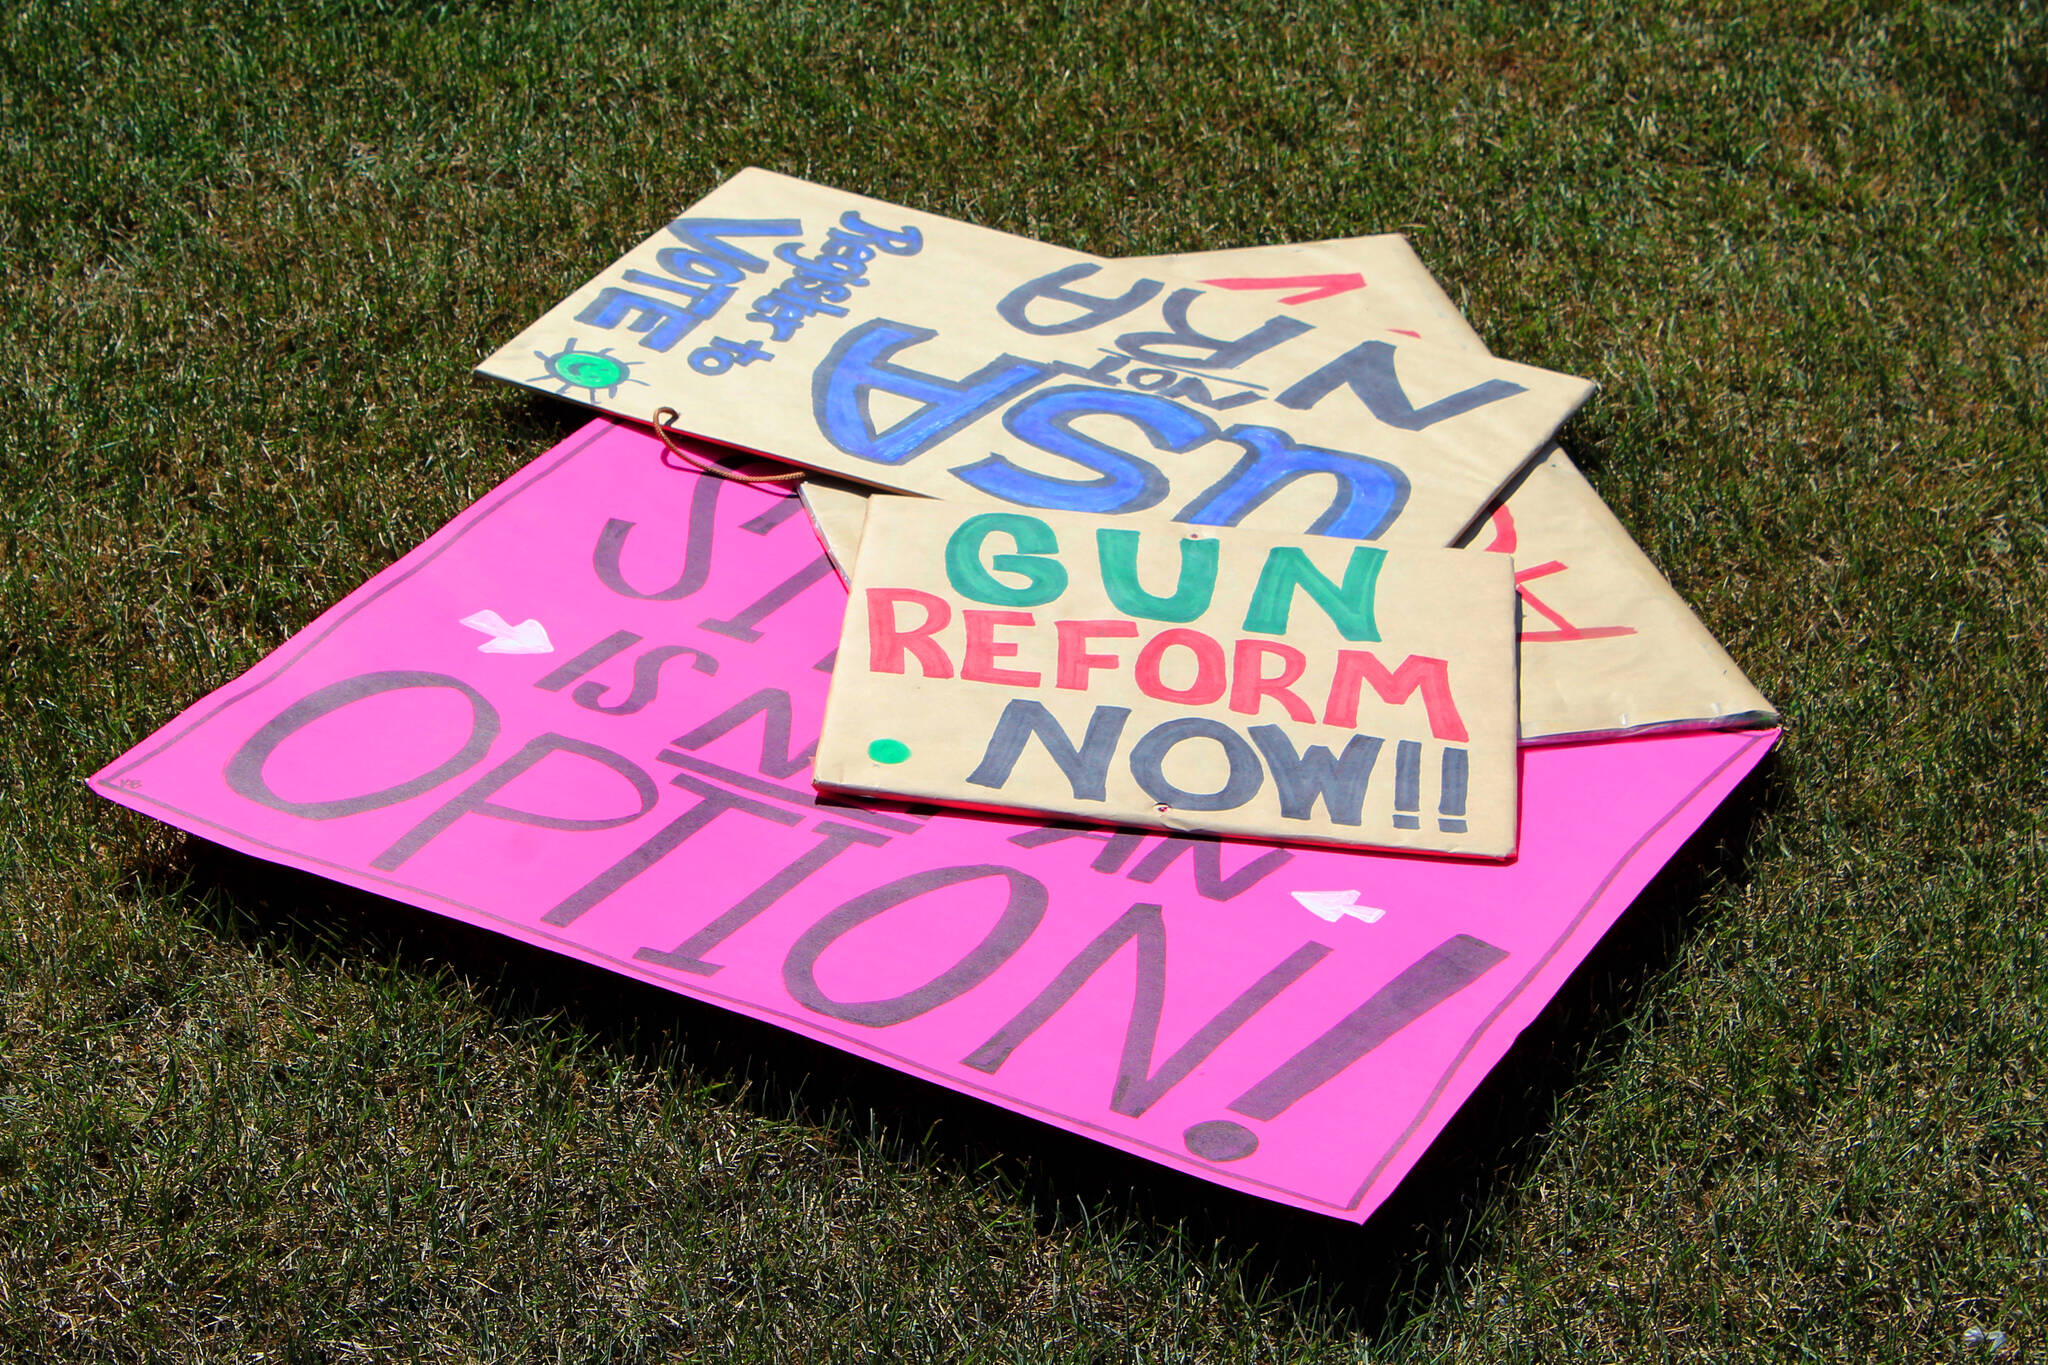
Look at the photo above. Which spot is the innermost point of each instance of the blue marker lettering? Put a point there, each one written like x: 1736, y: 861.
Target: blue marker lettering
x: 1124, y: 482
x: 861, y: 364
x: 1370, y: 493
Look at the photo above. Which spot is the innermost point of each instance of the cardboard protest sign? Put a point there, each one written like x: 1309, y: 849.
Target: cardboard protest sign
x: 929, y: 356
x: 1608, y: 646
x: 1144, y: 674
x: 582, y: 715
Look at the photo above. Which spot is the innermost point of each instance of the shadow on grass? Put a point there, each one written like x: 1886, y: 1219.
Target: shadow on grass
x: 1369, y: 1279
x: 532, y: 423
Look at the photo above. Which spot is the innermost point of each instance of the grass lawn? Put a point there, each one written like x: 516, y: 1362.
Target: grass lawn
x: 1796, y: 1107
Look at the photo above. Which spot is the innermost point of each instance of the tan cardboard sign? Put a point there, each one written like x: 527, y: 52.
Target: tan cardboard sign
x: 1137, y: 673
x: 838, y: 510
x: 1608, y: 646
x: 929, y: 356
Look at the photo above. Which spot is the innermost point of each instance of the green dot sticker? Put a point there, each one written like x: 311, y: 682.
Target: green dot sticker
x: 888, y: 751
x: 588, y: 371
x: 600, y: 372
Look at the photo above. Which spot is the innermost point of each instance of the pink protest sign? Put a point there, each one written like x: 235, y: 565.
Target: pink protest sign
x: 582, y: 715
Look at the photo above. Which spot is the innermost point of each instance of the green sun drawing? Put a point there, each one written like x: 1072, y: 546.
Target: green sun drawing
x: 601, y: 372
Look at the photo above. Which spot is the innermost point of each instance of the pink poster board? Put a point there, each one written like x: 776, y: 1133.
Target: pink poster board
x: 581, y: 715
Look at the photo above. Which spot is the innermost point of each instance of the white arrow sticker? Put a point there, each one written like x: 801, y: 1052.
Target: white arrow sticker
x: 528, y: 637
x: 1335, y: 905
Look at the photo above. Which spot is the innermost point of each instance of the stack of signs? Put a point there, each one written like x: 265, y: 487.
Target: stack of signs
x: 1175, y: 626
x: 921, y: 355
